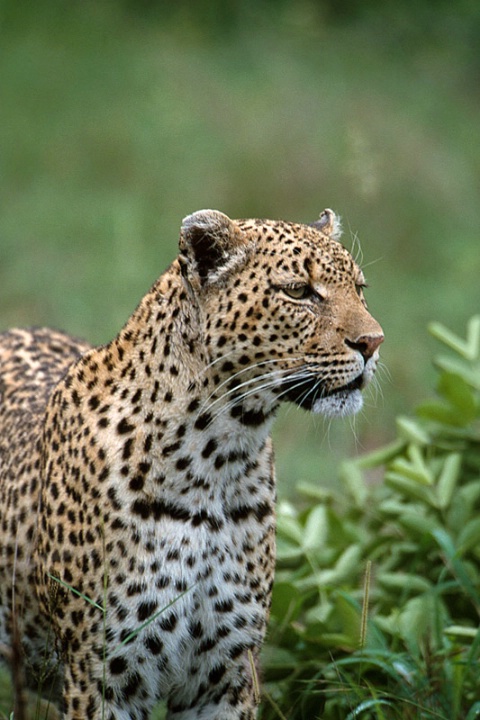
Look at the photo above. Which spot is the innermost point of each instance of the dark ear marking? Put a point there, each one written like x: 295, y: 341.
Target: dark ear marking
x: 209, y: 241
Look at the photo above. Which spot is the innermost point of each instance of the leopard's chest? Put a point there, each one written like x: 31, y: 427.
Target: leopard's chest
x: 196, y: 598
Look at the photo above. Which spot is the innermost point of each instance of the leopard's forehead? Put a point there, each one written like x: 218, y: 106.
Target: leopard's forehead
x: 300, y: 248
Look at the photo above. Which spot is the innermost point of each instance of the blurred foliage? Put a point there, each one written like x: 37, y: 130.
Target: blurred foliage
x: 376, y: 606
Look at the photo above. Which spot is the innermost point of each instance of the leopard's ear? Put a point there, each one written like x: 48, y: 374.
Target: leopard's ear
x: 329, y: 224
x: 210, y: 244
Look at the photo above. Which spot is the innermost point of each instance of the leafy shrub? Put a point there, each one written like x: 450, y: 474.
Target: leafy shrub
x: 377, y: 598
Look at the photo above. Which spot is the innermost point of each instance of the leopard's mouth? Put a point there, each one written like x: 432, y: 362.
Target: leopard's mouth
x: 307, y: 392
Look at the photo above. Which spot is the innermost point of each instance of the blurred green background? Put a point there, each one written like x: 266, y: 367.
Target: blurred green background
x: 119, y: 118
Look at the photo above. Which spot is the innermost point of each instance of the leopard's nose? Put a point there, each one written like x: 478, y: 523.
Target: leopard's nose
x: 366, y: 344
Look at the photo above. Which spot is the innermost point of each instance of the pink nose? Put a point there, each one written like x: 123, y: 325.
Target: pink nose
x: 366, y: 344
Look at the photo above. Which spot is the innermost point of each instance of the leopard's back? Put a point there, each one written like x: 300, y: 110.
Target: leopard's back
x: 31, y: 363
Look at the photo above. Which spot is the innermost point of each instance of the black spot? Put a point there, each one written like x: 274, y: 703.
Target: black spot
x: 209, y: 448
x: 132, y: 686
x: 237, y: 650
x: 94, y: 402
x: 127, y: 448
x: 196, y: 630
x: 146, y: 609
x: 203, y: 517
x: 169, y: 623
x: 124, y: 427
x: 219, y: 462
x: 135, y: 588
x: 162, y: 582
x: 154, y: 645
x: 127, y: 633
x: 136, y: 483
x: 224, y: 606
x: 206, y: 645
x: 118, y: 665
x: 112, y: 495
x: 169, y: 449
x: 137, y: 396
x: 142, y: 508
x: 193, y: 406
x: 182, y: 463
x: 249, y: 418
x: 216, y: 674
x: 203, y: 421
x: 173, y: 555
x: 242, y: 512
x: 181, y: 430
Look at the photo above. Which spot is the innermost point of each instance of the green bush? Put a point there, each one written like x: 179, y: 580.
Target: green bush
x: 377, y: 598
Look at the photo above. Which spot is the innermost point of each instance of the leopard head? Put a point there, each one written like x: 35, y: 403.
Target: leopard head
x: 282, y: 311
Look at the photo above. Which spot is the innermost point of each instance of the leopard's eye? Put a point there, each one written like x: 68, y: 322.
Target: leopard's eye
x: 297, y: 292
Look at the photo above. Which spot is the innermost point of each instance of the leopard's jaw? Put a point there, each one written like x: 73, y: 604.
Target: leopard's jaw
x: 344, y: 401
x: 339, y: 404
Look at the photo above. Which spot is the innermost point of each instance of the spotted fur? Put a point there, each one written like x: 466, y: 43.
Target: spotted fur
x: 137, y: 483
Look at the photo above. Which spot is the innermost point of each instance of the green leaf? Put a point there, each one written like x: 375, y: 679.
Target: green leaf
x: 441, y: 413
x: 404, y: 581
x: 448, y: 479
x: 319, y: 614
x: 353, y: 479
x: 421, y: 617
x: 458, y: 367
x: 373, y: 703
x: 290, y: 529
x: 316, y: 529
x: 418, y: 523
x: 411, y: 431
x: 346, y: 568
x: 350, y: 616
x: 469, y: 537
x: 458, y: 392
x: 286, y: 600
x: 410, y: 488
x: 458, y: 568
x: 460, y: 631
x: 413, y: 467
x: 474, y: 712
x: 469, y: 348
x: 381, y: 456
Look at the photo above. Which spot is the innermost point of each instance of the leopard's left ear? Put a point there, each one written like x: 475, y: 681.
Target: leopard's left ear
x: 329, y: 224
x: 210, y: 243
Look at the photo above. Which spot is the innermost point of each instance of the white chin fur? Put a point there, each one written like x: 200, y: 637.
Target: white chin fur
x: 339, y: 404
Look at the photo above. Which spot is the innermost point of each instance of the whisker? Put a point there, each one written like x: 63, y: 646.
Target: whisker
x: 261, y: 383
x: 264, y: 382
x: 240, y: 372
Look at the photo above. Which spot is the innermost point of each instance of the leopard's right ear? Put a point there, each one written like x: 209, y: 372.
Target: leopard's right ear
x: 329, y: 224
x: 210, y: 245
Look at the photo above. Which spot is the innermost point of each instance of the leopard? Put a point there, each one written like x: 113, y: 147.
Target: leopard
x: 137, y: 478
